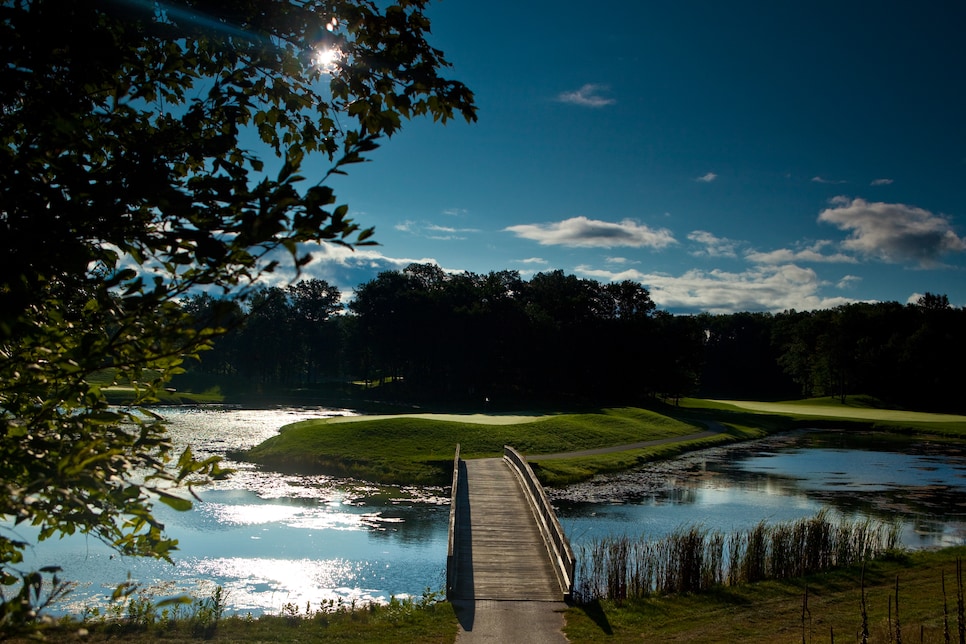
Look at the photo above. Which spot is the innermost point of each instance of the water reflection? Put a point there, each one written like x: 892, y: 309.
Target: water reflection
x: 270, y: 538
x: 781, y: 478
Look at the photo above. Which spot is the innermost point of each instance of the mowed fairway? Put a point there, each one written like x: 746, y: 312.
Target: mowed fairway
x: 808, y: 408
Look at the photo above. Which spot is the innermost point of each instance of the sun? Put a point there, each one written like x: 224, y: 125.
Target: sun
x: 327, y: 58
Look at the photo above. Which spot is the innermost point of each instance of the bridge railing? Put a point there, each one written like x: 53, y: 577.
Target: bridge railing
x: 451, y: 563
x: 562, y: 554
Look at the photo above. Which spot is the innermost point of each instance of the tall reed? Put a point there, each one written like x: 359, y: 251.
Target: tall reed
x: 694, y: 559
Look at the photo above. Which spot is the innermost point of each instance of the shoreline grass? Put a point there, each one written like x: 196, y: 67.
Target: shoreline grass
x: 814, y: 608
x: 139, y: 621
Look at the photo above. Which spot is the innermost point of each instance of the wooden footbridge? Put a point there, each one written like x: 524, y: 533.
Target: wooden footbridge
x: 505, y: 542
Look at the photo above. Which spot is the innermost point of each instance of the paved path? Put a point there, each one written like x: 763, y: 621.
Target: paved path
x: 508, y: 622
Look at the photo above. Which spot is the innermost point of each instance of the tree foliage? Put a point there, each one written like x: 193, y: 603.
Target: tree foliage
x: 133, y: 145
x: 468, y: 337
x: 905, y: 355
x: 558, y: 338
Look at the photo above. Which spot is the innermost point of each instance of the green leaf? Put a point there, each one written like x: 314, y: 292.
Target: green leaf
x: 175, y: 502
x: 130, y: 186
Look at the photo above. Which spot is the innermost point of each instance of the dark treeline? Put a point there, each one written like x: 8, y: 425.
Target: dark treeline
x: 556, y: 337
x: 907, y: 355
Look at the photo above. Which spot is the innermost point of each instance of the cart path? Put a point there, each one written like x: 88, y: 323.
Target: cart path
x: 714, y: 428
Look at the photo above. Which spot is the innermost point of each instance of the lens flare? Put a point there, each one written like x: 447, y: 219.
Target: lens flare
x: 327, y: 59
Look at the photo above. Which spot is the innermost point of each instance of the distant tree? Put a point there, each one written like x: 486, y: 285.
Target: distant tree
x: 223, y: 316
x: 555, y: 337
x: 268, y: 338
x: 903, y: 355
x: 933, y: 352
x: 133, y: 139
x: 382, y: 307
x: 502, y: 336
x: 628, y: 300
x: 740, y: 358
x: 564, y: 342
x: 677, y: 355
x: 313, y: 303
x: 795, y: 335
x: 623, y: 342
x: 933, y: 302
x: 314, y: 300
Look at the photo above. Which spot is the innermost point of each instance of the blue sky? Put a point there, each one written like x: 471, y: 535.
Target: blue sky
x: 730, y: 156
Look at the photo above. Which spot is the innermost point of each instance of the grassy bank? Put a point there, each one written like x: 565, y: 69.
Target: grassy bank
x: 143, y: 623
x: 419, y: 449
x: 816, y: 608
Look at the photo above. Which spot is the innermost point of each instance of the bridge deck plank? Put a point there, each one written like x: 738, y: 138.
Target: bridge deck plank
x: 501, y: 553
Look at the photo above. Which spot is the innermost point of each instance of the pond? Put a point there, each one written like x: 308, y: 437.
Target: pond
x: 268, y: 538
x: 781, y: 478
x: 272, y: 539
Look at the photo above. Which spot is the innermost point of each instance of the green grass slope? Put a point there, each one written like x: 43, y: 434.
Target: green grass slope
x: 420, y: 449
x: 819, y: 608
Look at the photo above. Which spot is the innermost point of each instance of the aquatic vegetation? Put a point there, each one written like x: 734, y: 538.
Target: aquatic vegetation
x: 694, y: 559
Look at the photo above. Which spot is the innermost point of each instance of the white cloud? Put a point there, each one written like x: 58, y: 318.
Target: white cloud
x: 326, y: 254
x: 881, y: 182
x: 532, y: 260
x: 456, y: 212
x: 340, y: 266
x: 447, y: 233
x: 707, y: 178
x: 761, y: 288
x: 587, y: 96
x: 848, y: 282
x: 812, y: 253
x: 434, y: 231
x: 833, y: 182
x: 581, y: 232
x: 620, y: 260
x: 712, y: 246
x: 893, y: 232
